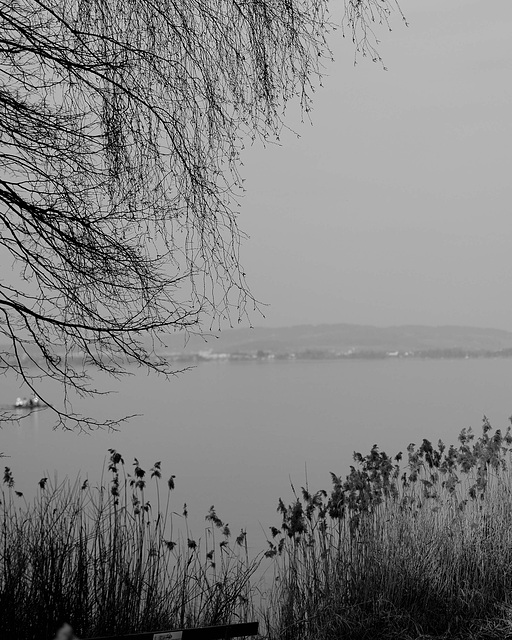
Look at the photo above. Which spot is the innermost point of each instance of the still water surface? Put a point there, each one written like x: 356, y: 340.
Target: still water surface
x: 234, y: 434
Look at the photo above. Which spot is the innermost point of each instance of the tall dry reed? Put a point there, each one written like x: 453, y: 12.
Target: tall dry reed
x: 400, y: 553
x: 109, y: 561
x: 399, y: 548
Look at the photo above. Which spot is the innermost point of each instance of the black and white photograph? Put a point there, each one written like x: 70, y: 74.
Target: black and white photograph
x: 255, y: 319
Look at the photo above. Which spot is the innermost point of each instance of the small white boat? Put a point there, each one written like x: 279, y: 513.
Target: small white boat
x: 30, y: 403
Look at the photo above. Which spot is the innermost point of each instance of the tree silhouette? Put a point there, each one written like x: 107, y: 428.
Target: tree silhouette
x: 121, y: 128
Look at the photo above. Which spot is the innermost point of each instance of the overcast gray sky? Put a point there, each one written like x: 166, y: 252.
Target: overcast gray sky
x: 395, y: 206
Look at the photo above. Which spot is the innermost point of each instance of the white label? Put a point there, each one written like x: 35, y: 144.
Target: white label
x: 168, y: 635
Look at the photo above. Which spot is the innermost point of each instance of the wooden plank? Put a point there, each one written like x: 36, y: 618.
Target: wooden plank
x: 221, y: 632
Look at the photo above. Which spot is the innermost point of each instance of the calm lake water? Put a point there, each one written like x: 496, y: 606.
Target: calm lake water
x: 234, y: 434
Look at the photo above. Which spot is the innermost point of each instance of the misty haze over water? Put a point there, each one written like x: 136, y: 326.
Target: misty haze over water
x: 235, y: 433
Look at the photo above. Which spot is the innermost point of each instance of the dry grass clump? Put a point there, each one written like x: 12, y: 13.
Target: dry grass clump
x: 110, y: 562
x: 424, y: 551
x: 398, y: 549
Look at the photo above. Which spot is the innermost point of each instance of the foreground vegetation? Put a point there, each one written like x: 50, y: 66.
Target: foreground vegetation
x: 392, y: 553
x: 110, y: 562
x: 403, y: 547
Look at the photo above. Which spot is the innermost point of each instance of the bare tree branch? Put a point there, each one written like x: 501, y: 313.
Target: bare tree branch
x: 121, y: 128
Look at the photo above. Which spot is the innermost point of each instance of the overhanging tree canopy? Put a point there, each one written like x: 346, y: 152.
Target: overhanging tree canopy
x: 121, y: 128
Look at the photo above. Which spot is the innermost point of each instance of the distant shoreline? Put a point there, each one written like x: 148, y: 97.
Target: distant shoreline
x: 319, y: 354
x: 316, y: 342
